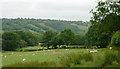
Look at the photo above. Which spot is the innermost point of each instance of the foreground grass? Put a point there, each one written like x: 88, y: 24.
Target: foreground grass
x: 56, y: 58
x: 46, y: 55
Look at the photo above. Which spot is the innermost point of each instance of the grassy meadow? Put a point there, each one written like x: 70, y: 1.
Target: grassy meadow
x: 56, y: 57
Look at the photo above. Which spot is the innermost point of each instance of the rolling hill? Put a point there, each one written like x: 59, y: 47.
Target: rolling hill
x: 42, y: 25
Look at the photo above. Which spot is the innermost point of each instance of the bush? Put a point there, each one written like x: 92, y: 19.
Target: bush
x: 111, y: 56
x: 72, y: 58
x: 115, y: 41
x: 10, y: 41
x: 75, y: 58
x: 87, y: 57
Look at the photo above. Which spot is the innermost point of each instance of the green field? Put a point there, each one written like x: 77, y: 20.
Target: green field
x: 53, y: 55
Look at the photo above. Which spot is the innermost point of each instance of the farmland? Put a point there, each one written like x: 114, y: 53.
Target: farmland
x: 15, y: 59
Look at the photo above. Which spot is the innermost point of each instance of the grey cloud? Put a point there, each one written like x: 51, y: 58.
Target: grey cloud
x: 47, y: 9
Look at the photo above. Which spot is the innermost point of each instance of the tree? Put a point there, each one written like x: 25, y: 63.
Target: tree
x: 47, y: 37
x: 79, y: 40
x: 67, y: 36
x: 23, y: 43
x: 105, y: 22
x: 57, y: 40
x: 10, y: 41
x: 115, y: 41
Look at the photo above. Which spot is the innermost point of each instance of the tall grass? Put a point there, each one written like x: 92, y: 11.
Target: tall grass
x: 72, y: 58
x: 75, y: 59
x: 87, y: 57
x: 112, y: 58
x: 34, y: 64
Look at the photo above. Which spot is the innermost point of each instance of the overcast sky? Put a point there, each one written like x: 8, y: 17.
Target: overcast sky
x: 48, y: 9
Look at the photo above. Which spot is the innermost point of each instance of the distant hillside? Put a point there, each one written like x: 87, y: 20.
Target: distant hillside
x: 41, y: 25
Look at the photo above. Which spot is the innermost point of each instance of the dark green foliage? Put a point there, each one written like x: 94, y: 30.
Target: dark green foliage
x: 75, y: 58
x: 47, y: 37
x: 22, y: 43
x: 67, y: 36
x: 32, y: 39
x: 59, y: 41
x: 11, y: 41
x: 87, y: 57
x: 69, y: 59
x: 111, y: 56
x: 79, y: 40
x: 41, y: 25
x: 105, y: 22
x: 116, y: 39
x: 18, y: 39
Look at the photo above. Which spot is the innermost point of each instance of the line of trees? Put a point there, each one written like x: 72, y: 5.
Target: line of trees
x: 14, y: 40
x: 65, y: 37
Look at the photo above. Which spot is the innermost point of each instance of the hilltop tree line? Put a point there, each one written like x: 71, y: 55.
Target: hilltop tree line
x: 14, y: 40
x: 42, y: 25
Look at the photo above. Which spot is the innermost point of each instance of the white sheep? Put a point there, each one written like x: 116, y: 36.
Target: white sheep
x: 110, y: 48
x: 91, y: 51
x: 23, y: 59
x: 95, y: 51
x: 5, y: 56
x: 66, y: 49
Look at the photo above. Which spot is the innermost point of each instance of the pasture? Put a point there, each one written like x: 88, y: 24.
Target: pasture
x: 15, y: 58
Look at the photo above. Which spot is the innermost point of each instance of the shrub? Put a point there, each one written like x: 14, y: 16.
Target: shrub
x: 87, y: 57
x: 111, y: 56
x: 75, y: 58
x: 72, y: 58
x: 115, y: 41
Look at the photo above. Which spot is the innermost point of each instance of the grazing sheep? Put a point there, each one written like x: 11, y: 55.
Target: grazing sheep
x: 91, y: 51
x: 48, y: 50
x: 110, y: 48
x: 66, y: 49
x: 23, y: 59
x: 5, y: 56
x: 95, y: 51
